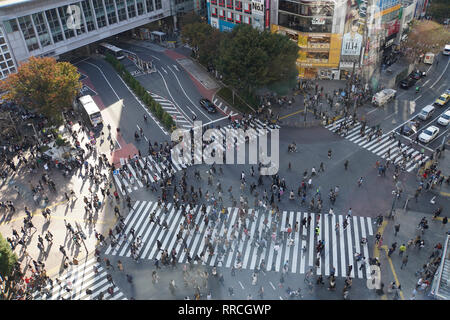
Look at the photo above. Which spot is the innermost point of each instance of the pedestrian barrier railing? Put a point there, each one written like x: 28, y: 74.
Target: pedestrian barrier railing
x: 440, y: 276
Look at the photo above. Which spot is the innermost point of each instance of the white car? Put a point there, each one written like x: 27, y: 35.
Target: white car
x: 444, y: 119
x: 380, y: 98
x: 429, y: 134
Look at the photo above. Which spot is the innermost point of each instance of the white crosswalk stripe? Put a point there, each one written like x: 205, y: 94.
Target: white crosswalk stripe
x: 136, y: 173
x: 340, y: 245
x: 381, y: 146
x: 76, y: 280
x: 170, y: 108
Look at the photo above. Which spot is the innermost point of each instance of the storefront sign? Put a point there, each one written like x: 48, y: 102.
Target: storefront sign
x: 316, y: 20
x: 346, y: 65
x: 258, y: 7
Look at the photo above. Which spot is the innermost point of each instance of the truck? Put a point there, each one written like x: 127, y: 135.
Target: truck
x: 382, y: 97
x: 428, y: 58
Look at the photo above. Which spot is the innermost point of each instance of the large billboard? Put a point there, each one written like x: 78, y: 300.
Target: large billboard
x: 355, y: 20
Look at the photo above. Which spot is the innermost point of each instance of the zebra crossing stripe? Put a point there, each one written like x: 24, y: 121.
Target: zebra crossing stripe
x: 333, y: 239
x: 319, y: 237
x: 341, y: 242
x: 288, y: 246
x: 215, y: 255
x: 152, y: 229
x: 108, y: 250
x: 138, y: 229
x: 119, y: 184
x: 357, y: 244
x: 198, y: 236
x: 161, y: 234
x: 350, y: 250
x: 311, y: 240
x: 365, y: 247
x: 327, y: 246
x: 252, y: 232
x: 296, y: 240
x: 191, y: 236
x: 230, y: 253
x: 369, y: 226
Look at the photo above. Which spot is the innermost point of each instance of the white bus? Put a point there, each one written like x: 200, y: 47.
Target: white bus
x: 106, y: 48
x: 91, y: 110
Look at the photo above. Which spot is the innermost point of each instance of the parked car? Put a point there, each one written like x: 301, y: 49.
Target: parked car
x: 208, y: 105
x: 444, y: 119
x: 429, y: 134
x: 410, y: 128
x: 380, y: 98
x: 407, y: 83
x: 442, y: 100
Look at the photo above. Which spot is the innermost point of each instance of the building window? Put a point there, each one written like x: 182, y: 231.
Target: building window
x: 247, y: 20
x: 99, y: 13
x: 247, y: 7
x: 41, y: 29
x: 11, y: 26
x: 131, y: 9
x: 214, y: 12
x: 121, y: 10
x: 230, y: 4
x: 64, y: 17
x: 303, y: 24
x: 150, y: 7
x: 238, y: 18
x: 82, y: 28
x: 221, y: 13
x: 222, y: 3
x: 158, y: 4
x: 28, y: 33
x: 229, y: 16
x: 88, y: 15
x: 140, y: 7
x: 214, y: 2
x: 238, y: 5
x: 55, y: 27
x: 111, y: 11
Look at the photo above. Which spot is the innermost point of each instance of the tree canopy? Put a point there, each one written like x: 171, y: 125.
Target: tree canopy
x: 44, y: 85
x: 7, y: 258
x: 246, y: 57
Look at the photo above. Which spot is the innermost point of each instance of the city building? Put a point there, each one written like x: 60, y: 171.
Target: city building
x: 226, y: 14
x: 53, y: 28
x: 317, y: 27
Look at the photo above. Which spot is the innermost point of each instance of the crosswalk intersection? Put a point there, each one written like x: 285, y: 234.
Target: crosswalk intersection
x: 133, y: 176
x: 80, y: 278
x: 297, y: 250
x: 381, y: 146
x: 168, y: 106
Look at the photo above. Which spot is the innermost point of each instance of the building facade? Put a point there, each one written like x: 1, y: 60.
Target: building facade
x: 316, y: 27
x: 51, y: 28
x: 226, y: 14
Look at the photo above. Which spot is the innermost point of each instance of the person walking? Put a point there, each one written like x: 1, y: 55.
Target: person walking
x: 396, y: 229
x: 404, y: 261
x: 401, y: 250
x: 346, y: 164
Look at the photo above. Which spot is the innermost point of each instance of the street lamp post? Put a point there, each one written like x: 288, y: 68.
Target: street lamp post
x: 35, y: 132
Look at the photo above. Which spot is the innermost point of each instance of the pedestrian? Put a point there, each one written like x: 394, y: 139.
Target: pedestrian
x: 346, y: 164
x: 230, y: 291
x: 119, y: 265
x: 401, y: 250
x: 397, y: 229
x: 404, y: 261
x: 444, y: 221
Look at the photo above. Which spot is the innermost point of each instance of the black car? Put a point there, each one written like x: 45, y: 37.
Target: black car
x: 409, y: 128
x: 208, y: 105
x: 407, y: 83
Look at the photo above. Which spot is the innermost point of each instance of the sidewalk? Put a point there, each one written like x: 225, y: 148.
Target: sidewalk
x: 391, y: 267
x: 62, y: 210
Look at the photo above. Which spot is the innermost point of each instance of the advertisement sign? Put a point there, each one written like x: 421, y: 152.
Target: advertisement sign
x: 267, y: 13
x: 258, y: 7
x: 353, y: 28
x: 215, y: 23
x: 346, y: 65
x: 225, y: 25
x: 258, y: 22
x: 317, y: 20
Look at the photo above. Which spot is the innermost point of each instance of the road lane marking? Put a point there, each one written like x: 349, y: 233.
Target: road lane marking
x: 440, y: 75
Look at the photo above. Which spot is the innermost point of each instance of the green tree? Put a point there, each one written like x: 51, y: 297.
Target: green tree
x: 44, y: 85
x: 7, y: 258
x: 189, y: 18
x: 248, y: 58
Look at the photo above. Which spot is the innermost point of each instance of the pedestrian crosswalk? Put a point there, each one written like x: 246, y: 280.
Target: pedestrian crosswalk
x: 296, y: 249
x: 77, y: 280
x: 169, y: 107
x: 224, y: 108
x: 136, y: 173
x: 383, y: 146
